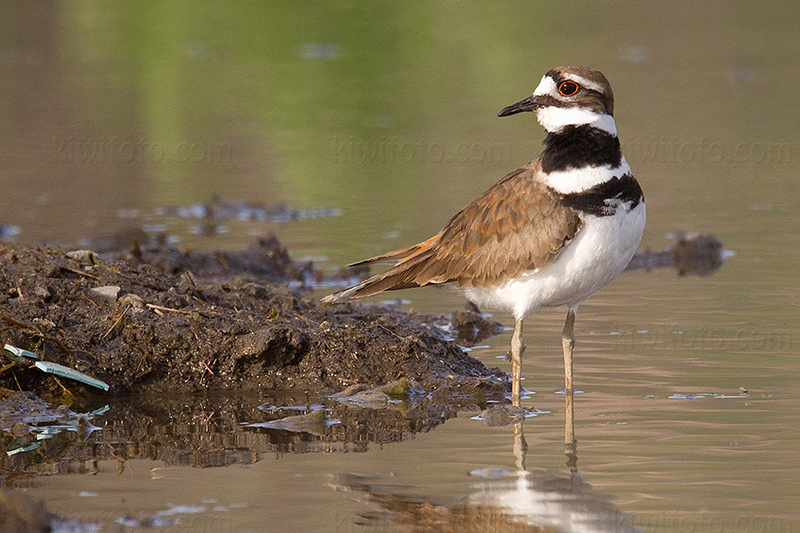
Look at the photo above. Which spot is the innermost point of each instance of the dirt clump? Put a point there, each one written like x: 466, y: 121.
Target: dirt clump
x: 264, y: 259
x: 142, y: 328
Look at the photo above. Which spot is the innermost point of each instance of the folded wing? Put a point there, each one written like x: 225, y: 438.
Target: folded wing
x: 517, y: 226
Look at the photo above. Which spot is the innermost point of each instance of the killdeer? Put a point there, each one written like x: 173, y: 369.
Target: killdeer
x: 549, y: 234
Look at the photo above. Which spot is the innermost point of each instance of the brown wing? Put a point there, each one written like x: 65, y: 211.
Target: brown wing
x: 516, y: 226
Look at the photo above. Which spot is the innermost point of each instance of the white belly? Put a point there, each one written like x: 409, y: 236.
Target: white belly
x: 599, y: 253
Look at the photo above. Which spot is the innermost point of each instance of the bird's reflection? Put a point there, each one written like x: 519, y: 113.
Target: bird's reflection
x: 523, y: 500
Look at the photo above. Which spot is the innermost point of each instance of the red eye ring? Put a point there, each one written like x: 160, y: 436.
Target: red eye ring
x: 568, y: 88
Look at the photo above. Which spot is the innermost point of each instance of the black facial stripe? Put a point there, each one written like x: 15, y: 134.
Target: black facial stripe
x: 547, y: 100
x: 550, y: 101
x: 588, y: 90
x: 574, y: 147
x: 604, y: 198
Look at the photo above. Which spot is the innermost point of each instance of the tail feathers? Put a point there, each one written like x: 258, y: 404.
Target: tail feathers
x: 402, y: 276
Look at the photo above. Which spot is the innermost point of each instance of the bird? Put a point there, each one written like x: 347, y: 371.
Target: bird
x: 547, y: 235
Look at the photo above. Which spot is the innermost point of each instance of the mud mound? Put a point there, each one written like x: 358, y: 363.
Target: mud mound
x: 264, y: 259
x: 143, y: 329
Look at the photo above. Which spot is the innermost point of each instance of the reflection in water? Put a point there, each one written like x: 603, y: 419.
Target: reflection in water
x: 315, y: 423
x: 543, y: 499
x: 206, y: 432
x: 227, y: 431
x: 524, y: 501
x: 696, y: 254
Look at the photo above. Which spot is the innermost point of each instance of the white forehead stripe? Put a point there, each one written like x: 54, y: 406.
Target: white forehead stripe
x: 580, y: 80
x: 546, y: 86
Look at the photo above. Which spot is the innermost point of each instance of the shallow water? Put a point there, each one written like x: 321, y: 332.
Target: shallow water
x: 386, y: 114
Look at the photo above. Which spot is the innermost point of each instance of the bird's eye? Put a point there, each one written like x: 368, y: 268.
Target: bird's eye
x: 568, y: 88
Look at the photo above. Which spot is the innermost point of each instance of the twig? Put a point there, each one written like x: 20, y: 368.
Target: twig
x: 80, y: 272
x: 16, y: 322
x: 116, y: 323
x: 90, y: 300
x: 389, y: 331
x: 155, y: 307
x: 37, y: 332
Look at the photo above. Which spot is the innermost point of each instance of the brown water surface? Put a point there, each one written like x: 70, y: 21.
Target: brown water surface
x: 688, y: 420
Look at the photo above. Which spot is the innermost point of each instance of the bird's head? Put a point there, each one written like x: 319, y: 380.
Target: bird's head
x: 570, y: 96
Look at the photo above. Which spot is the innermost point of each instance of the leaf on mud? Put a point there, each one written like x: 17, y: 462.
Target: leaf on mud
x: 66, y: 372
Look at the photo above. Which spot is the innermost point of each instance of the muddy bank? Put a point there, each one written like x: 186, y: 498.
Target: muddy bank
x: 146, y: 329
x: 265, y: 260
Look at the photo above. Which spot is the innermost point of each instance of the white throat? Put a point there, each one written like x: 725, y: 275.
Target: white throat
x: 554, y: 118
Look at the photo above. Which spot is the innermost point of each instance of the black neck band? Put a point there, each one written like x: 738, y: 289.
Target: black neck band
x: 575, y: 147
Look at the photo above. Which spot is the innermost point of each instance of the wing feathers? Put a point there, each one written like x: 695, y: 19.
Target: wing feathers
x: 517, y: 226
x: 395, y: 256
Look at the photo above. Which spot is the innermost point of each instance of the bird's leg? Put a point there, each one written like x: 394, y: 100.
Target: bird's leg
x: 517, y: 349
x: 568, y: 343
x: 520, y: 447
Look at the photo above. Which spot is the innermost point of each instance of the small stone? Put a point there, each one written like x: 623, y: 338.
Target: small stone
x: 84, y: 257
x: 131, y: 299
x: 42, y: 292
x: 44, y: 324
x: 401, y: 388
x: 107, y: 292
x: 52, y: 271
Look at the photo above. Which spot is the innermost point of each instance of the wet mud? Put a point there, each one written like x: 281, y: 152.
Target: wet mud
x: 172, y: 322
